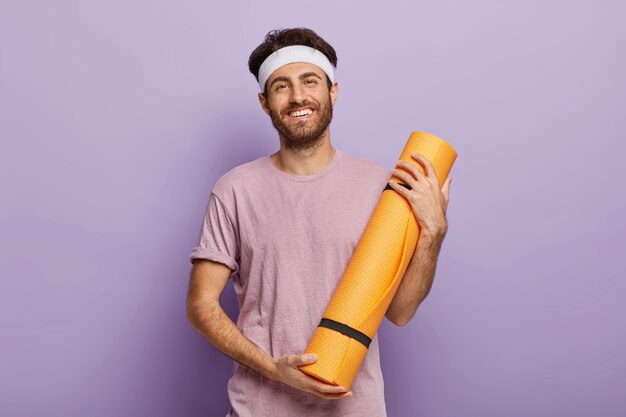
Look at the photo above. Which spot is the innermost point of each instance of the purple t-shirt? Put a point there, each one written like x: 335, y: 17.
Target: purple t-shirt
x: 287, y: 239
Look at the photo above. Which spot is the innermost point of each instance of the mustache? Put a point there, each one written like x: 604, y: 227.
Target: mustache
x: 300, y: 105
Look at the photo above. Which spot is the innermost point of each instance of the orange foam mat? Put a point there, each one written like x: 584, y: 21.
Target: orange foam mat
x: 373, y: 274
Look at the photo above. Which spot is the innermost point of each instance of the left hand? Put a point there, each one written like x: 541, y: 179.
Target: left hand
x: 428, y: 202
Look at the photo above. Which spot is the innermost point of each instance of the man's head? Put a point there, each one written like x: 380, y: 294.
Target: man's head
x: 278, y: 39
x: 294, y: 68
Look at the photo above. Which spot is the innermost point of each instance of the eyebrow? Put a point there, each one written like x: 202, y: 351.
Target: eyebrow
x: 300, y: 77
x: 309, y: 74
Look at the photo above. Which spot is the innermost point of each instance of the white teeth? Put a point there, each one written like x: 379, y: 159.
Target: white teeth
x: 301, y: 113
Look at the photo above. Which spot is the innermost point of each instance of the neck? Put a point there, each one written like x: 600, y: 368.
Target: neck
x: 307, y: 161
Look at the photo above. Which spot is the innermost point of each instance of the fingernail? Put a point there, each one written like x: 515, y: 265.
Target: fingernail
x: 311, y: 357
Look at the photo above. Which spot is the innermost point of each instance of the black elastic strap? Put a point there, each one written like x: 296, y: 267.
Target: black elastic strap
x: 346, y: 330
x: 388, y: 187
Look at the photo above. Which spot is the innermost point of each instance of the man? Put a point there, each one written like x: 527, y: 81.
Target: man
x: 285, y: 226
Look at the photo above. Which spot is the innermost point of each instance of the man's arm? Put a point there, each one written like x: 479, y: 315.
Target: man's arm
x: 416, y: 283
x: 429, y: 205
x: 206, y: 315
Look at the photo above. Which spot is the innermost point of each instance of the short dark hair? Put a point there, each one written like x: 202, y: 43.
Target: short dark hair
x: 281, y: 38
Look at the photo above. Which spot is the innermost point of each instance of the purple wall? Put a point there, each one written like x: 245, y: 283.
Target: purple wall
x: 117, y: 117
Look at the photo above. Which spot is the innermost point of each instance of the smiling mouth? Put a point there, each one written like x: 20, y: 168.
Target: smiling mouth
x: 300, y: 114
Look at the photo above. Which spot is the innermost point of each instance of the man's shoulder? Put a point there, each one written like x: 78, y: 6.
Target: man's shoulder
x: 240, y: 175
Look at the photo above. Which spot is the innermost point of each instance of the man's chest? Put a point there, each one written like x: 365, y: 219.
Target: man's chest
x: 317, y: 222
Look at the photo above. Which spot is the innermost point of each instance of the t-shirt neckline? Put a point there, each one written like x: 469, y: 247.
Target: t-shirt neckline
x: 305, y: 178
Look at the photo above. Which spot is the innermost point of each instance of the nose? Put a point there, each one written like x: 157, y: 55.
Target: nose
x: 298, y: 93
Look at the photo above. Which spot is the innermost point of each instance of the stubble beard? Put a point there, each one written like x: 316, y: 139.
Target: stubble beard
x: 298, y: 136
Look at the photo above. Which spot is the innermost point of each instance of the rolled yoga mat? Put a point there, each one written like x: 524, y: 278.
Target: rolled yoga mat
x: 373, y: 274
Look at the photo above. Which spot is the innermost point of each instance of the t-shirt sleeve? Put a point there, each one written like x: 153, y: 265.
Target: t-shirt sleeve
x: 219, y: 237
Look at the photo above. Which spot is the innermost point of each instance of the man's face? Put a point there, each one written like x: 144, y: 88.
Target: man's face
x: 299, y: 104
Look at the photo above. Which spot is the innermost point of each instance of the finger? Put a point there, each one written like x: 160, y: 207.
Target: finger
x: 328, y: 396
x: 337, y: 396
x: 400, y: 189
x: 332, y: 395
x: 411, y: 168
x: 298, y: 360
x: 320, y: 386
x: 404, y: 177
x: 428, y: 166
x: 325, y: 388
x: 445, y: 190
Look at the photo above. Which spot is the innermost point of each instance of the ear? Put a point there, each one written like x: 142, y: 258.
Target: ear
x: 264, y: 105
x: 334, y: 90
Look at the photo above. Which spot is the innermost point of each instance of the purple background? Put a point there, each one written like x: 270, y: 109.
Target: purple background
x: 117, y: 117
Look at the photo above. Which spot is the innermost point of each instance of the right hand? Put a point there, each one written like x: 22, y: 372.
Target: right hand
x: 288, y: 373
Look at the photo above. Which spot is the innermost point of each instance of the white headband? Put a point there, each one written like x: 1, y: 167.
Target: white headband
x: 291, y: 54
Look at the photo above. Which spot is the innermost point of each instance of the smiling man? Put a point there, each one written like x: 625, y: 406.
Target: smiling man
x: 284, y: 228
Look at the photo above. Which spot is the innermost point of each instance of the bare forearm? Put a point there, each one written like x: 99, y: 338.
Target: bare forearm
x: 429, y: 202
x: 210, y: 320
x: 205, y: 314
x: 417, y: 281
